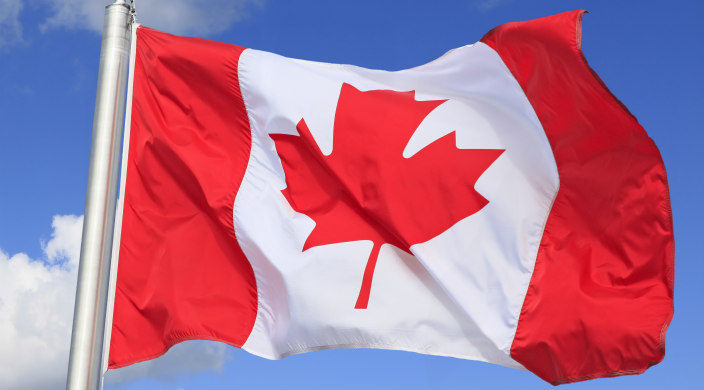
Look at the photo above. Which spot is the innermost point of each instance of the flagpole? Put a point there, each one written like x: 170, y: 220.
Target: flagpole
x: 85, y: 365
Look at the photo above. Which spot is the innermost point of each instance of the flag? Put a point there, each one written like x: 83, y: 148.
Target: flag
x: 496, y: 204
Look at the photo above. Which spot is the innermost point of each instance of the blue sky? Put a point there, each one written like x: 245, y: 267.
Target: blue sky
x: 647, y: 53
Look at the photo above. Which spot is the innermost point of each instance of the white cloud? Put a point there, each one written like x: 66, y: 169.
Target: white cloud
x: 10, y: 26
x: 36, y: 310
x: 174, y: 16
x: 36, y: 313
x: 65, y: 243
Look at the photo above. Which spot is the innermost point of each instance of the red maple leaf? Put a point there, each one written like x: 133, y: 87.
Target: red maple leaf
x: 366, y: 190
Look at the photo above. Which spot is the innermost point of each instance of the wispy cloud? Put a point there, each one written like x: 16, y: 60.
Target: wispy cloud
x: 189, y: 357
x: 10, y: 26
x: 36, y: 314
x: 174, y: 16
x: 489, y: 4
x: 187, y: 17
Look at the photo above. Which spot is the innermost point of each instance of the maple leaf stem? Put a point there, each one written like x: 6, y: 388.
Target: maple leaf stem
x: 365, y: 290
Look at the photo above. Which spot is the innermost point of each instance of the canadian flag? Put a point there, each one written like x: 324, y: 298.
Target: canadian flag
x: 497, y: 204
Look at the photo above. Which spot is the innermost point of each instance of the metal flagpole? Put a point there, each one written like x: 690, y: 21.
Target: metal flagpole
x: 85, y: 365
